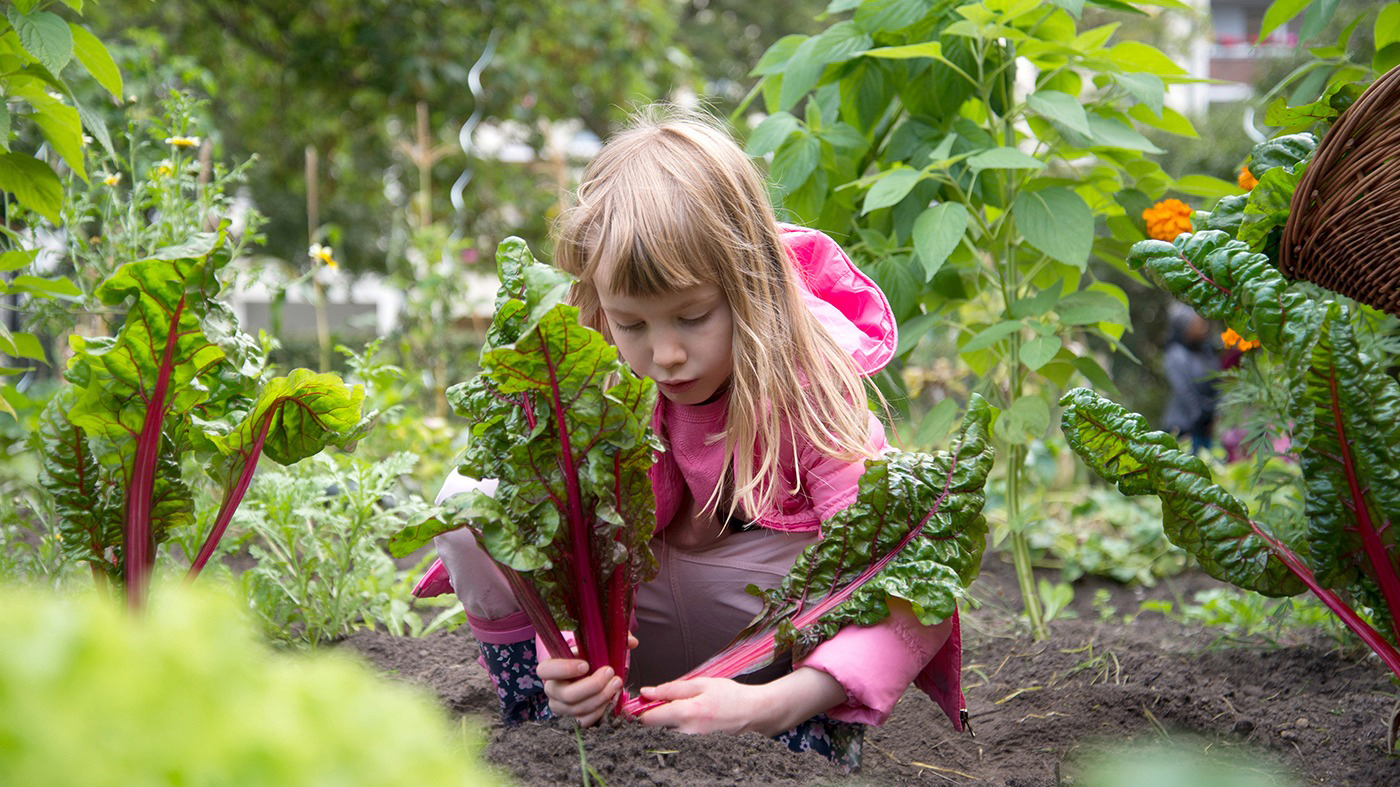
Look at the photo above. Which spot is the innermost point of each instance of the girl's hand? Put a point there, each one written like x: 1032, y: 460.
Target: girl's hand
x: 709, y: 705
x: 722, y: 705
x: 571, y: 692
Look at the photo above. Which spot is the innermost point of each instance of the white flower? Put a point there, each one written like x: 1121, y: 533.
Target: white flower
x: 111, y: 180
x: 182, y: 142
x: 322, y: 254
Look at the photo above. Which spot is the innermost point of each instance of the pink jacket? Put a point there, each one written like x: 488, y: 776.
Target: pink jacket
x: 874, y: 664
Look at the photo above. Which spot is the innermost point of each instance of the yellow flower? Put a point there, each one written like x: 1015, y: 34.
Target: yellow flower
x: 1232, y: 339
x: 1246, y: 180
x: 322, y: 254
x: 182, y: 142
x: 112, y: 180
x: 164, y: 168
x: 1168, y: 219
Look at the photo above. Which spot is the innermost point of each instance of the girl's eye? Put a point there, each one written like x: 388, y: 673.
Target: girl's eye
x: 633, y: 328
x: 695, y: 320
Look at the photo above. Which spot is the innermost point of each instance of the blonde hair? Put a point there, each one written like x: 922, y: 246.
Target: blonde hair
x: 672, y: 202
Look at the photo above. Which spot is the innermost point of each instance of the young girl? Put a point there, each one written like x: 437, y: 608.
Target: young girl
x: 758, y: 336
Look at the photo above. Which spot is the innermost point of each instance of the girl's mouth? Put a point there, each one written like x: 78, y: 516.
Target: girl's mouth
x: 679, y: 386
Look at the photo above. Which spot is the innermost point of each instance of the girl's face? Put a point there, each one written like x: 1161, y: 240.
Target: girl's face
x: 683, y: 340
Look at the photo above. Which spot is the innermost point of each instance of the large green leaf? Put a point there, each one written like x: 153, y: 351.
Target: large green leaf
x: 937, y: 232
x: 297, y: 416
x: 915, y: 532
x: 294, y: 417
x: 97, y: 60
x: 1197, y: 514
x: 46, y: 37
x: 33, y: 184
x: 1222, y: 279
x: 1058, y: 222
x: 135, y: 390
x: 161, y: 350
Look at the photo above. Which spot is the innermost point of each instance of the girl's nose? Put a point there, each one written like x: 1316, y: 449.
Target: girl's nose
x: 667, y: 352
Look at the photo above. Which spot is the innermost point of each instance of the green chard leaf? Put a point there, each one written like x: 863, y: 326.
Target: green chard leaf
x: 294, y: 417
x: 88, y: 500
x: 1222, y: 279
x: 1197, y: 514
x: 915, y: 532
x: 135, y: 389
x: 1352, y: 471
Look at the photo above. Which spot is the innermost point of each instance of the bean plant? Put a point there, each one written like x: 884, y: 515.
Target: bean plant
x: 965, y: 152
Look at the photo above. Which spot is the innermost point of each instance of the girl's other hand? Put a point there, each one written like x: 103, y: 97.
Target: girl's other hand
x: 572, y: 692
x: 703, y: 705
x: 722, y: 705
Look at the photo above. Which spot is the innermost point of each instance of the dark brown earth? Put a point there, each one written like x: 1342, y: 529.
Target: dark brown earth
x: 1302, y: 708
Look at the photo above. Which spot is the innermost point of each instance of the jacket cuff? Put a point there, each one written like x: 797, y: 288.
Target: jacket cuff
x: 875, y: 664
x: 508, y: 630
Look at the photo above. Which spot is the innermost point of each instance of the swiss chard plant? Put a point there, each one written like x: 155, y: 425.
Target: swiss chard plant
x: 1342, y: 413
x: 177, y: 382
x: 564, y: 426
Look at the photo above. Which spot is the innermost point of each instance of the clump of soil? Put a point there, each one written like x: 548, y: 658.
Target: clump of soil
x: 1299, y: 707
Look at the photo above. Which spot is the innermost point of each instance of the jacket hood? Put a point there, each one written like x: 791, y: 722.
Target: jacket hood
x: 846, y: 301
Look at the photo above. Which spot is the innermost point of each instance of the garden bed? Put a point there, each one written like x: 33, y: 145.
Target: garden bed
x: 1301, y: 707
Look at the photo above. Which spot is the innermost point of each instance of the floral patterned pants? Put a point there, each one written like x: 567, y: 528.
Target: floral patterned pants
x: 521, y: 696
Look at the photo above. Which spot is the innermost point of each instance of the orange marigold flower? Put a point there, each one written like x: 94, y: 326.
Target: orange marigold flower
x: 1168, y: 219
x: 1232, y: 339
x: 1246, y: 181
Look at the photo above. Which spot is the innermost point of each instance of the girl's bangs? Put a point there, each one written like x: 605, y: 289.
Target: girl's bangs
x: 657, y: 241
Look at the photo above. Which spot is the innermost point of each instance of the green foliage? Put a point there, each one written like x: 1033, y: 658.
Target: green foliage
x: 203, y: 703
x: 1340, y: 43
x: 346, y: 78
x: 315, y: 535
x: 1197, y: 514
x: 975, y: 206
x: 915, y: 532
x: 1097, y: 532
x: 1242, y: 614
x: 41, y: 109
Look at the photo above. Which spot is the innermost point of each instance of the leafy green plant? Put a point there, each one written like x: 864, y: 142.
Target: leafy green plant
x: 563, y: 424
x: 205, y: 703
x: 41, y: 133
x: 1095, y: 531
x: 177, y: 379
x: 316, y: 536
x: 975, y: 205
x: 1247, y: 614
x: 1343, y: 428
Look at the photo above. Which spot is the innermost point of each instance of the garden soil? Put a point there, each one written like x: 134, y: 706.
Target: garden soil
x: 1299, y: 707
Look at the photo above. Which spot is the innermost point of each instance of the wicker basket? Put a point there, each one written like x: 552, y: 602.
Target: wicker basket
x: 1343, y: 228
